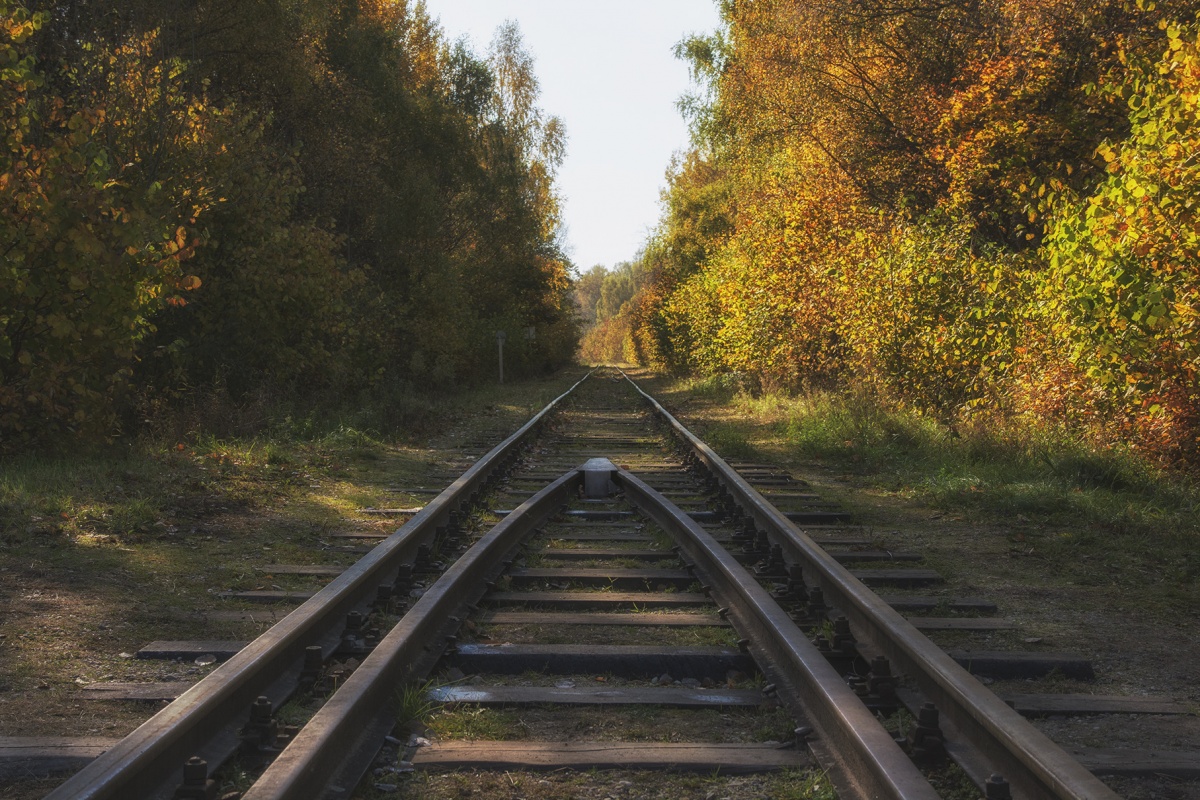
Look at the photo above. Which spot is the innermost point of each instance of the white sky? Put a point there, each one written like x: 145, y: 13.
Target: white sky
x: 606, y: 69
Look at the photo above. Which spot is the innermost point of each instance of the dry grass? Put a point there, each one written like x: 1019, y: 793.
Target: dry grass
x: 101, y: 553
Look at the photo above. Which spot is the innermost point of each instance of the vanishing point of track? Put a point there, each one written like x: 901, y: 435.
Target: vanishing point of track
x: 539, y: 534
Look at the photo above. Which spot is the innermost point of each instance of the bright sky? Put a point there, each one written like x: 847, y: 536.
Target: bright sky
x: 606, y: 69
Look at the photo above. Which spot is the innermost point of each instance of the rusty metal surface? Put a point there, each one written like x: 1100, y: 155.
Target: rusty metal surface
x: 331, y: 736
x: 1034, y: 765
x: 149, y: 762
x: 870, y: 761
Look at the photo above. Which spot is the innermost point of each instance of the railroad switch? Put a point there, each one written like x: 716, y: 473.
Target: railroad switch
x: 926, y: 744
x: 745, y: 532
x: 814, y: 611
x: 424, y: 561
x: 843, y: 638
x: 196, y: 783
x: 448, y: 540
x: 357, y: 639
x: 839, y: 647
x: 403, y: 581
x: 757, y: 543
x: 385, y: 601
x: 598, y: 481
x: 314, y: 662
x: 263, y: 734
x: 762, y: 541
x: 997, y: 788
x: 330, y: 681
x: 728, y: 507
x: 773, y: 566
x: 880, y: 680
x: 796, y: 588
x: 877, y: 689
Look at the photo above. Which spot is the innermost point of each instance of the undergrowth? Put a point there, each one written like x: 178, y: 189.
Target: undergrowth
x: 1074, y: 499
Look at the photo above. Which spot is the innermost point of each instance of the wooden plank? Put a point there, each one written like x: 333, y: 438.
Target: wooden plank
x: 634, y: 619
x: 267, y: 596
x: 961, y: 624
x: 32, y: 757
x: 850, y: 556
x: 581, y: 659
x: 265, y: 617
x: 578, y: 600
x: 597, y: 515
x: 967, y: 605
x: 1183, y: 764
x: 143, y: 692
x: 662, y: 696
x: 389, y: 512
x: 829, y: 542
x: 620, y: 578
x: 616, y: 536
x: 586, y: 553
x: 817, y: 517
x: 188, y: 650
x: 314, y: 570
x: 729, y: 759
x: 897, y: 577
x: 1024, y: 665
x: 1041, y: 705
x: 358, y: 535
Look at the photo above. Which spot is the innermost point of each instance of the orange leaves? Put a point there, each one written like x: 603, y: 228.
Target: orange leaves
x: 885, y: 180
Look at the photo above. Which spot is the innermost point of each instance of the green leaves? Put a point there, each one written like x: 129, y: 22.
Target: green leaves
x: 987, y: 211
x: 296, y: 199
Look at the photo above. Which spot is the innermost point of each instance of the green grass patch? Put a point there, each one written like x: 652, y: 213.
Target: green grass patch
x: 1105, y: 515
x: 489, y: 724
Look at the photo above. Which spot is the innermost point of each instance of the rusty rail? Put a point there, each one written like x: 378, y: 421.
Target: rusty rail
x: 315, y: 758
x: 869, y: 763
x: 995, y: 738
x: 204, y: 721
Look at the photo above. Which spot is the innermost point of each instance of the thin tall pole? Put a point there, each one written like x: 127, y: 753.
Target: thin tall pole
x: 500, y: 337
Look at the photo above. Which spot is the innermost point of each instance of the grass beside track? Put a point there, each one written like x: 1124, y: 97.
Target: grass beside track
x: 1101, y: 517
x: 104, y: 551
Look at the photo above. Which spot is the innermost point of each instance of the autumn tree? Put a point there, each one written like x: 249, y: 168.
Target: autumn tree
x: 310, y: 199
x: 940, y: 202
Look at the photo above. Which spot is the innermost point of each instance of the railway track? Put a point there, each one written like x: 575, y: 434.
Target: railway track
x: 644, y: 605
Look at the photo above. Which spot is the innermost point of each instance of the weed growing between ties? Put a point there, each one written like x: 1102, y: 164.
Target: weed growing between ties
x: 413, y: 706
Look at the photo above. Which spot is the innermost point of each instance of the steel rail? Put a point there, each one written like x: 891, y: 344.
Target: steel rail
x: 313, y: 758
x: 148, y: 763
x: 1034, y: 766
x: 869, y: 762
